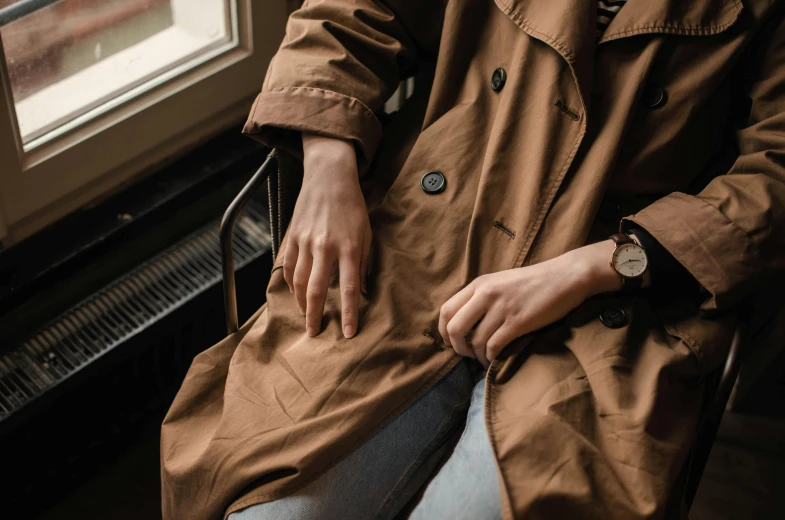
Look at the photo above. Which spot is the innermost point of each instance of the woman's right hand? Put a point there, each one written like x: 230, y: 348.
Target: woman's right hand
x: 329, y: 226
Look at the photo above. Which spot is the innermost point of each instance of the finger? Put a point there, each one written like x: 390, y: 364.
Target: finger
x: 317, y: 294
x: 479, y: 353
x: 499, y: 340
x: 289, y: 262
x: 449, y: 309
x: 349, y: 270
x: 302, y: 273
x: 462, y: 323
x: 489, y: 324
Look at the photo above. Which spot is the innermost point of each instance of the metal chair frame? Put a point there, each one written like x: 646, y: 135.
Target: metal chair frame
x: 712, y: 418
x: 225, y: 236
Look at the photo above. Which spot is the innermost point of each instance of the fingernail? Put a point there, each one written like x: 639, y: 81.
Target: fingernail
x: 348, y: 331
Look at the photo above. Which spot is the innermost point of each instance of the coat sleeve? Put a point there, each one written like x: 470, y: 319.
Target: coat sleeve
x: 337, y: 65
x: 731, y: 235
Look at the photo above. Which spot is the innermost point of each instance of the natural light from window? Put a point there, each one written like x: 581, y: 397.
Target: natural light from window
x: 73, y: 59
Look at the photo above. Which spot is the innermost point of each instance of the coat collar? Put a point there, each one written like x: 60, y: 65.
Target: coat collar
x: 682, y: 17
x: 569, y: 26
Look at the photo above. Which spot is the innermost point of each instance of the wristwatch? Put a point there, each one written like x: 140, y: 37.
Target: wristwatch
x: 630, y: 261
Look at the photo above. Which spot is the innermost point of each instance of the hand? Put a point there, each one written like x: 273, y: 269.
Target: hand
x: 329, y: 226
x: 496, y: 308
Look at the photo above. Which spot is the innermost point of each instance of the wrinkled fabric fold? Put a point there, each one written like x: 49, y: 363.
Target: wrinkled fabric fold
x: 586, y: 421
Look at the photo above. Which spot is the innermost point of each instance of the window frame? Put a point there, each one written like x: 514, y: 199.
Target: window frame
x: 58, y: 176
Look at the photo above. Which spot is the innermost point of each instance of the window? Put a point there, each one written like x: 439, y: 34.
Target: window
x: 97, y: 91
x: 72, y: 56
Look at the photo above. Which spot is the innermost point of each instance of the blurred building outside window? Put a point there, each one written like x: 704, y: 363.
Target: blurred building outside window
x: 74, y: 56
x: 99, y: 93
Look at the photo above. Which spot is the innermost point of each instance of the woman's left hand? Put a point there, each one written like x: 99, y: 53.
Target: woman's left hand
x: 494, y: 309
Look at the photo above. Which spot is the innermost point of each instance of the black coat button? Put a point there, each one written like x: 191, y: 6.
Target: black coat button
x: 498, y: 79
x: 653, y: 96
x: 433, y: 182
x: 613, y: 317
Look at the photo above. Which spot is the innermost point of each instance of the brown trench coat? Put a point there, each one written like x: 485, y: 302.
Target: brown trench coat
x: 585, y: 421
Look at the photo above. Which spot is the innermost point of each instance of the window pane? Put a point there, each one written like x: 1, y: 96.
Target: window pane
x: 73, y: 56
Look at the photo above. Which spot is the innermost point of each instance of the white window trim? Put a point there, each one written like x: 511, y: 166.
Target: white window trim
x: 124, y: 75
x: 106, y: 148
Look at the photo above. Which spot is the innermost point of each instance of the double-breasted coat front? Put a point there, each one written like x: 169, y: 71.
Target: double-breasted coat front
x: 674, y: 121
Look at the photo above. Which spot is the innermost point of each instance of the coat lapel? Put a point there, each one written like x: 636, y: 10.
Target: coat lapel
x: 569, y: 26
x: 686, y: 18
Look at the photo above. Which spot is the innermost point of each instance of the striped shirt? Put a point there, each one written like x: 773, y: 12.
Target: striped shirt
x: 606, y: 10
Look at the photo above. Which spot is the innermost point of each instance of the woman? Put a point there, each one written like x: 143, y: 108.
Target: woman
x: 481, y: 240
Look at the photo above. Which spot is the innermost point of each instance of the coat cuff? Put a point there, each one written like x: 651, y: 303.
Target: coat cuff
x: 666, y: 273
x: 280, y: 115
x: 718, y: 254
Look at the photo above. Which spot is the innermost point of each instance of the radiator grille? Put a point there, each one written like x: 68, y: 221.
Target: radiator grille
x: 123, y: 308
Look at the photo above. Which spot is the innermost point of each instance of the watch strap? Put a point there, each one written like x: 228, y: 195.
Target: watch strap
x: 630, y: 285
x: 622, y: 238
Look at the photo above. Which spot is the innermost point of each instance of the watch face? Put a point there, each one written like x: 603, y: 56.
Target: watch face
x: 629, y: 260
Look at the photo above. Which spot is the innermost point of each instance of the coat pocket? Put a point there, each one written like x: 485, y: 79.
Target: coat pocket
x: 708, y: 337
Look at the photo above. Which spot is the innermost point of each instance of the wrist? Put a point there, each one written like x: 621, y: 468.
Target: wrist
x: 327, y: 156
x: 595, y: 273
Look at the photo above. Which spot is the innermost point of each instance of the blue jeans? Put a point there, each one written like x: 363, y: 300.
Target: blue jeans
x: 377, y: 480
